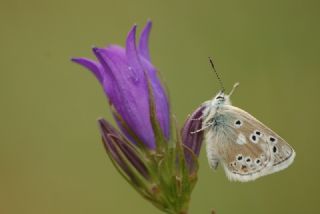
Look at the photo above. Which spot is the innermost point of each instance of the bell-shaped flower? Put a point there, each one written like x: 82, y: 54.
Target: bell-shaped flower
x: 123, y: 73
x: 148, y: 151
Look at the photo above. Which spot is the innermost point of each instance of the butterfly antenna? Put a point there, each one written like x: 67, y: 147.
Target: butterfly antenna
x: 215, y: 71
x: 233, y: 88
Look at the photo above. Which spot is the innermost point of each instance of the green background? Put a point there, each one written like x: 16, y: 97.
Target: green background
x: 51, y: 157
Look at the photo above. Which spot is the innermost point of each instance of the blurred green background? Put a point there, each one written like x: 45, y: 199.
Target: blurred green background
x: 51, y: 157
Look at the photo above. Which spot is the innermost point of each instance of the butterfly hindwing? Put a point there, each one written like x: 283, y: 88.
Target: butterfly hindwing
x: 282, y: 154
x: 246, y: 148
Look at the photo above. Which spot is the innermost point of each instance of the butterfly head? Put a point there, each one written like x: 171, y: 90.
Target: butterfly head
x: 223, y: 99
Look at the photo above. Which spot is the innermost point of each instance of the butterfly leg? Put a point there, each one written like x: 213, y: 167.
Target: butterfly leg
x: 203, y: 128
x: 198, y: 118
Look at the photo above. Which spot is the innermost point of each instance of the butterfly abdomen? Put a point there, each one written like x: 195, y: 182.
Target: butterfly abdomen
x: 216, y: 134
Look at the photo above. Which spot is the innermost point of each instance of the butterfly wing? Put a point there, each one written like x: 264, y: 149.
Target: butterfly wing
x: 246, y: 148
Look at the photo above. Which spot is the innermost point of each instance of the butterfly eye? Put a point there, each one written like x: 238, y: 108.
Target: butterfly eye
x: 238, y: 123
x: 220, y: 98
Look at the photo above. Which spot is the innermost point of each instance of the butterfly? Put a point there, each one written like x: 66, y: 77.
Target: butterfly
x: 245, y: 147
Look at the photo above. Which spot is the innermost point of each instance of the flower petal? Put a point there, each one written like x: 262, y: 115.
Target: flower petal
x: 160, y: 98
x: 128, y: 93
x: 92, y: 65
x: 108, y: 80
x: 124, y: 74
x: 144, y: 41
x: 141, y: 65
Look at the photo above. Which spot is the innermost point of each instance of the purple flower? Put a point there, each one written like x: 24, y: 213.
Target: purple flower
x: 160, y: 166
x: 124, y: 74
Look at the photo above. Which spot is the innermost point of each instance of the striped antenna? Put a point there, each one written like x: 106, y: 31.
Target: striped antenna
x: 215, y: 71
